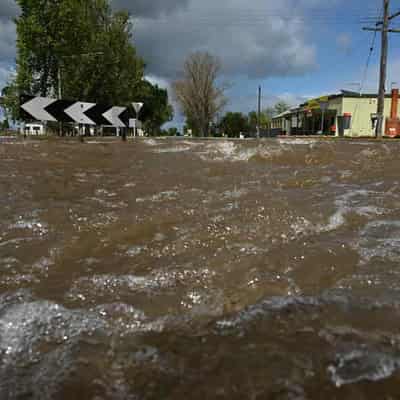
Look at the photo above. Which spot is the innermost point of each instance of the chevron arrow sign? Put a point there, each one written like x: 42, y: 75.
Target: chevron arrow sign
x: 46, y: 109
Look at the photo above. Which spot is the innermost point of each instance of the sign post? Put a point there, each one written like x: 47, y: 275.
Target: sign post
x: 137, y: 107
x: 324, y: 106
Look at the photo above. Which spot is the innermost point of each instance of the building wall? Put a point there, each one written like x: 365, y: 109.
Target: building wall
x: 336, y: 105
x: 361, y: 110
x: 33, y: 129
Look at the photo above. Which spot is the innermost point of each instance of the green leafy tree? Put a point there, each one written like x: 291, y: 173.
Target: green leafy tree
x: 90, y: 47
x: 270, y: 112
x: 173, y: 131
x: 156, y: 110
x: 85, y: 41
x: 281, y: 107
x: 6, y: 124
x: 253, y: 120
x: 233, y: 124
x: 10, y: 101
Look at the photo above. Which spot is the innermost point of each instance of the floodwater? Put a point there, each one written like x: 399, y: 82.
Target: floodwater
x: 177, y: 269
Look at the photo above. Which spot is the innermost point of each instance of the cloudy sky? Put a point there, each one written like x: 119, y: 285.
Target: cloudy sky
x: 293, y: 48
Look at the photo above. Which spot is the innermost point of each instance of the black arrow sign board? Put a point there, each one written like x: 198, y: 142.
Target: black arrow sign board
x: 52, y: 110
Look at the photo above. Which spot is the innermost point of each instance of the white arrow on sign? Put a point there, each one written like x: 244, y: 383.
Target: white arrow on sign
x: 113, y: 114
x: 36, y: 108
x: 137, y: 107
x: 77, y: 113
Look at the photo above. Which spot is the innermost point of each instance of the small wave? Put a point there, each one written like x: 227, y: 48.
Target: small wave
x: 33, y: 225
x: 22, y: 326
x: 362, y: 365
x: 265, y: 308
x: 229, y: 151
x: 174, y: 149
x: 353, y: 201
x: 100, y: 285
x: 379, y: 239
x: 150, y: 142
x: 41, y: 338
x: 162, y: 196
x: 294, y: 142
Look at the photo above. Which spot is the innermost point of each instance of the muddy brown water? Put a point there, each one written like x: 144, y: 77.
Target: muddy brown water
x: 177, y: 269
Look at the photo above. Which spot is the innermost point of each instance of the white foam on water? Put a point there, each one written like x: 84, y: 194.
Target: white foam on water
x: 265, y: 309
x: 101, y: 285
x: 204, y: 302
x: 294, y: 142
x: 356, y: 201
x: 135, y: 251
x: 229, y: 151
x: 36, y: 226
x: 301, y: 226
x: 379, y: 239
x: 40, y: 338
x: 218, y: 151
x: 151, y: 142
x: 362, y: 365
x: 159, y: 197
x: 335, y: 221
x: 173, y: 149
x: 24, y: 325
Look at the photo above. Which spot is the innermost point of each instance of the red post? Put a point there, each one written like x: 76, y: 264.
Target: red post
x: 395, y: 103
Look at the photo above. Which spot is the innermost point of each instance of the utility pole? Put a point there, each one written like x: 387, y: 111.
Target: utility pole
x: 383, y: 64
x: 60, y: 124
x: 383, y: 70
x: 259, y: 113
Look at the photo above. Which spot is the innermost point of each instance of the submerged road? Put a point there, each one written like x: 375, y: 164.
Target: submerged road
x: 178, y: 269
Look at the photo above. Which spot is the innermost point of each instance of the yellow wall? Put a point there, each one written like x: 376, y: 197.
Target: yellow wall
x: 361, y: 110
x: 337, y: 105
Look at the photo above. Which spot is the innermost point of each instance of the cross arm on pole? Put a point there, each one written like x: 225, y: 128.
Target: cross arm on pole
x: 372, y: 29
x: 380, y: 30
x: 395, y: 15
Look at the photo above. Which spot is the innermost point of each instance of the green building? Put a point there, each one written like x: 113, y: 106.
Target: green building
x: 345, y: 114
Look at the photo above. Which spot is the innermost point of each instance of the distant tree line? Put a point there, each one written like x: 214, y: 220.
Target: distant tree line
x: 232, y: 124
x: 91, y: 48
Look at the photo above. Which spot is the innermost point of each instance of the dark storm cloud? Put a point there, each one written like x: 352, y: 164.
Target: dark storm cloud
x: 8, y: 8
x: 7, y: 40
x: 149, y: 8
x: 251, y: 41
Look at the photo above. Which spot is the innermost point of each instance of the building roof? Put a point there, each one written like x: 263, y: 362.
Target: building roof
x: 281, y: 115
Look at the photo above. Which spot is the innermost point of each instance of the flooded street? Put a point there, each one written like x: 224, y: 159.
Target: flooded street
x: 178, y: 269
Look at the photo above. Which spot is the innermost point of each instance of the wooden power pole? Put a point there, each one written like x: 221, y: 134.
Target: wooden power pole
x: 383, y: 70
x: 259, y: 113
x: 383, y: 65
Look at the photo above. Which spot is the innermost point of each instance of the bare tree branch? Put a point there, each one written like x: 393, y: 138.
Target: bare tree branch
x: 198, y: 93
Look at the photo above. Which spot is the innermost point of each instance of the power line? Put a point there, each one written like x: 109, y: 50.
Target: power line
x: 365, y: 73
x: 383, y: 26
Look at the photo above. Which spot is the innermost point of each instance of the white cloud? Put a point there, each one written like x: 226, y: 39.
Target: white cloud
x: 6, y: 72
x: 160, y: 82
x: 344, y: 42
